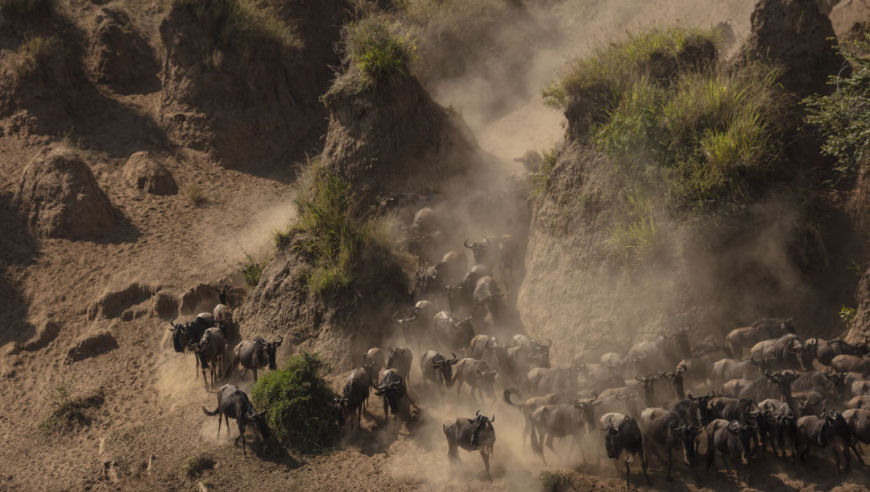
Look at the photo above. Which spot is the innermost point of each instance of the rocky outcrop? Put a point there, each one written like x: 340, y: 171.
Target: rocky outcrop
x: 798, y: 36
x: 61, y: 198
x: 119, y: 54
x: 142, y: 171
x: 91, y: 345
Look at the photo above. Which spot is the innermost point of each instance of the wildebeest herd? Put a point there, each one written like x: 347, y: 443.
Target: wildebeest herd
x: 761, y: 393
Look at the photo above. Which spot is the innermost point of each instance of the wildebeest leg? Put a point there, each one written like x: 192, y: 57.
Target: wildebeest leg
x: 855, y: 450
x: 452, y: 455
x: 550, y: 442
x: 711, y: 454
x: 255, y: 375
x: 643, y: 465
x: 242, y: 435
x: 627, y: 474
x: 220, y: 417
x: 485, y: 458
x: 670, y: 478
x: 229, y: 429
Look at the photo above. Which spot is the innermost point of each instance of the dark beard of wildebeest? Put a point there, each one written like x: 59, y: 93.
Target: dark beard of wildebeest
x: 664, y: 351
x: 763, y: 329
x: 668, y: 430
x: 254, y: 354
x: 785, y: 352
x: 210, y: 350
x: 731, y: 439
x: 562, y: 420
x: 437, y: 369
x: 544, y: 381
x: 475, y: 434
x: 826, y: 350
x: 391, y: 388
x: 477, y: 374
x: 530, y: 405
x: 676, y: 380
x: 234, y: 403
x: 400, y: 359
x: 355, y: 394
x: 453, y: 335
x: 858, y: 421
x: 624, y: 439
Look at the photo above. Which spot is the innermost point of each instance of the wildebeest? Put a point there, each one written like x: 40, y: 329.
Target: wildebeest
x: 861, y: 402
x: 731, y: 439
x: 453, y: 334
x: 530, y: 405
x: 355, y: 394
x: 647, y: 384
x: 811, y: 429
x: 543, y: 380
x: 427, y: 285
x: 452, y: 267
x: 662, y: 352
x: 851, y: 363
x: 461, y: 296
x: 561, y: 420
x: 772, y: 385
x: 779, y: 427
x: 734, y: 387
x: 475, y: 434
x: 487, y: 348
x: 392, y: 388
x: 826, y: 350
x: 418, y: 323
x: 508, y: 253
x: 210, y: 351
x: 676, y: 380
x: 665, y: 429
x: 725, y: 370
x: 183, y: 334
x: 858, y: 421
x: 785, y: 352
x: 622, y: 438
x: 477, y: 374
x: 377, y: 358
x: 234, y: 403
x: 254, y: 354
x: 830, y: 384
x: 487, y: 297
x: 763, y: 329
x: 223, y: 315
x: 839, y: 438
x: 480, y: 251
x: 438, y: 369
x: 400, y: 359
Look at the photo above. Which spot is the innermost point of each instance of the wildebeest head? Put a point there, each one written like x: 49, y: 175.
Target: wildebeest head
x: 445, y: 365
x: 587, y: 408
x: 702, y: 402
x: 479, y: 250
x: 681, y: 338
x: 744, y: 432
x: 787, y: 326
x: 397, y: 354
x: 482, y: 432
x: 838, y: 380
x: 465, y: 324
x: 340, y: 408
x: 539, y: 353
x: 390, y: 388
x: 427, y: 282
x: 648, y: 384
x: 179, y: 336
x: 676, y: 379
x: 270, y: 348
x: 613, y: 449
x: 783, y: 380
x: 259, y: 421
x: 685, y: 433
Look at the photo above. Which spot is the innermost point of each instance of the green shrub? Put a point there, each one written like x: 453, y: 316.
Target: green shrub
x: 299, y: 402
x: 844, y: 115
x: 24, y: 8
x: 252, y: 269
x: 377, y: 50
x: 67, y: 412
x: 847, y: 315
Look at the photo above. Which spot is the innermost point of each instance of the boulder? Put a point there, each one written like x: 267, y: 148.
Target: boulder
x: 144, y: 172
x: 61, y: 198
x: 119, y: 54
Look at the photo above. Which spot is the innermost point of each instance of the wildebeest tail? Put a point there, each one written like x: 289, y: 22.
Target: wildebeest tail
x: 507, y: 396
x: 211, y: 414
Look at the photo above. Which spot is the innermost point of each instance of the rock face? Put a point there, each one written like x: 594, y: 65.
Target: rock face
x: 797, y: 35
x: 91, y: 345
x: 120, y: 56
x: 228, y: 91
x: 144, y: 172
x: 393, y: 138
x: 60, y: 197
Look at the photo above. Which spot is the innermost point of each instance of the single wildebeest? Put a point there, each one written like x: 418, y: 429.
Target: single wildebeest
x: 377, y: 358
x: 623, y: 439
x: 392, y: 388
x: 487, y: 298
x: 183, y: 334
x: 777, y: 425
x: 486, y: 348
x: 475, y: 434
x: 508, y: 253
x: 826, y: 350
x: 860, y: 387
x: 418, y: 323
x: 452, y: 334
x: 839, y: 439
x: 772, y: 385
x: 461, y: 296
x: 663, y: 351
x: 438, y: 369
x: 452, y: 267
x: 858, y: 421
x: 731, y: 439
x: 428, y: 284
x: 400, y: 359
x: 254, y: 354
x: 861, y: 402
x: 763, y: 329
x: 234, y: 403
x: 223, y: 315
x: 851, y: 363
x: 561, y: 420
x: 480, y: 251
x: 725, y: 370
x: 544, y: 381
x: 676, y: 380
x: 355, y: 394
x: 668, y: 430
x: 476, y: 374
x: 647, y: 384
x: 811, y: 429
x: 210, y: 351
x: 532, y: 404
x: 785, y: 352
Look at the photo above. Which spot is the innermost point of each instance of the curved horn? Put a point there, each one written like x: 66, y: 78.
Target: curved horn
x: 466, y: 243
x: 417, y: 273
x: 637, y: 376
x: 549, y: 343
x: 681, y: 368
x: 485, y: 240
x: 477, y: 413
x: 492, y: 419
x: 454, y: 356
x: 394, y: 316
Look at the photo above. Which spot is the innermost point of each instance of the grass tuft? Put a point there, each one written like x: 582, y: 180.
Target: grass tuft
x: 299, y: 402
x: 377, y: 50
x: 540, y: 179
x: 281, y: 238
x: 67, y: 412
x: 195, y: 194
x: 638, y: 237
x: 251, y: 269
x: 195, y: 467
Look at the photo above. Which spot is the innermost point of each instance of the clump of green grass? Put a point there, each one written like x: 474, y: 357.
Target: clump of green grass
x: 281, y: 237
x: 847, y: 315
x: 377, y: 50
x: 639, y: 236
x: 67, y: 412
x: 844, y: 115
x: 196, y: 195
x: 540, y: 179
x: 195, y: 466
x: 251, y: 269
x: 28, y: 8
x: 299, y: 402
x: 34, y: 53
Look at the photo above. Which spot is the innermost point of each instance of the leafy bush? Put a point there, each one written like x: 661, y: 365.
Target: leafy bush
x: 252, y: 269
x: 844, y: 115
x: 847, y: 315
x: 299, y: 402
x: 377, y: 50
x: 28, y: 7
x: 67, y: 412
